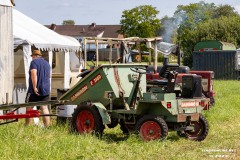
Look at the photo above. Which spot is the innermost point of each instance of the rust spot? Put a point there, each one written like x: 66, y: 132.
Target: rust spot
x: 195, y: 117
x: 181, y: 118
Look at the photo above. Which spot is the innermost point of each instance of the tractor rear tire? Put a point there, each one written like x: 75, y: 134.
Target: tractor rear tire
x: 87, y: 119
x: 200, y: 129
x: 151, y: 127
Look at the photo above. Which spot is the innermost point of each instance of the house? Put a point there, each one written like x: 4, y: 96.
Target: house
x: 92, y: 30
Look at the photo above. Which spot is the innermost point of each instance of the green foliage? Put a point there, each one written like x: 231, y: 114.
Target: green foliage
x: 32, y: 142
x: 68, y: 22
x: 205, y: 21
x: 224, y: 10
x: 160, y: 58
x: 140, y: 21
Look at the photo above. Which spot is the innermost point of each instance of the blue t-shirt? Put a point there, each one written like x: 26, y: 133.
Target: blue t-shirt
x: 43, y: 76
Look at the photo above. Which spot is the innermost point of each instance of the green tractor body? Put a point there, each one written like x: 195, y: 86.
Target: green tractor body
x: 117, y: 94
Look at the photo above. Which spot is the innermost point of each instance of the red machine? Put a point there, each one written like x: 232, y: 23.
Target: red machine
x: 207, y: 81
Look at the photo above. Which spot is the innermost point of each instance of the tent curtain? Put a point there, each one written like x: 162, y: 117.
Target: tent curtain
x: 66, y: 71
x: 50, y: 55
x: 27, y: 60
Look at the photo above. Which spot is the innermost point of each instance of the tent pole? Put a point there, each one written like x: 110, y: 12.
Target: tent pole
x: 85, y: 53
x: 97, y: 56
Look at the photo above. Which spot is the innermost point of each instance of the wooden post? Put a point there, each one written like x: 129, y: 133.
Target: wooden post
x: 85, y: 53
x: 149, y: 57
x: 97, y: 56
x: 139, y: 52
x: 124, y: 52
x: 155, y: 56
x: 110, y: 54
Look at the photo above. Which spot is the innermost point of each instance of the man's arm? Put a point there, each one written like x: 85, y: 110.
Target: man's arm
x: 34, y: 80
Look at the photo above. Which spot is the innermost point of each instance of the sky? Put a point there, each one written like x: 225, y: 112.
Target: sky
x: 101, y: 12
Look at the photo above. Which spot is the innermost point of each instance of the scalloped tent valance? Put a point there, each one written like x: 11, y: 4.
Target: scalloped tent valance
x: 34, y: 33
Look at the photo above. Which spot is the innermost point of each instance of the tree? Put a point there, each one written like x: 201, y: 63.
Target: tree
x: 140, y: 21
x: 204, y: 21
x: 68, y: 22
x: 223, y: 28
x: 224, y: 10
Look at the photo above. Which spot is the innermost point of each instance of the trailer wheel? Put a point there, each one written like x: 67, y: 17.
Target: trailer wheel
x: 152, y: 127
x: 86, y: 119
x: 200, y: 131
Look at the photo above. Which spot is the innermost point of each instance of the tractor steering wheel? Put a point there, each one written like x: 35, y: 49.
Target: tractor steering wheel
x: 140, y: 70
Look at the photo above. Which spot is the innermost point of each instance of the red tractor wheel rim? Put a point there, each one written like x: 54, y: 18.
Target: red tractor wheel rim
x: 150, y: 131
x: 85, y: 122
x: 198, y: 128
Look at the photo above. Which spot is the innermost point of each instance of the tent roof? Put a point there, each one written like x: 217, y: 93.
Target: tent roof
x: 27, y: 30
x: 5, y: 3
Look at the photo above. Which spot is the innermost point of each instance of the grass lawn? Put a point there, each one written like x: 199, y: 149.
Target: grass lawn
x: 223, y: 141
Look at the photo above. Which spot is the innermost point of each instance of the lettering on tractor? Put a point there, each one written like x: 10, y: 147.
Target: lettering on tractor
x: 79, y: 92
x: 189, y: 104
x: 95, y: 80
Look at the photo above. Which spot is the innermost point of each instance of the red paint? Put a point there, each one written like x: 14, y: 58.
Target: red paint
x: 150, y: 130
x: 95, y: 80
x: 85, y: 122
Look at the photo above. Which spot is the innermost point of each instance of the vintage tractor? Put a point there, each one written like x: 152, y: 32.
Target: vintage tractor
x: 116, y: 94
x: 207, y: 76
x: 207, y: 81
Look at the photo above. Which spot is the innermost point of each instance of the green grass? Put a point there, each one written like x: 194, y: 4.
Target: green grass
x: 33, y: 142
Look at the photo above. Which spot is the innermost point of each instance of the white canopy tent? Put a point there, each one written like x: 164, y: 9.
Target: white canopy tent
x: 28, y: 32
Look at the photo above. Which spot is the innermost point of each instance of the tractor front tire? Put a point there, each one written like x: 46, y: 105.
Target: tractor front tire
x: 114, y: 123
x: 151, y: 127
x: 200, y: 131
x: 87, y: 119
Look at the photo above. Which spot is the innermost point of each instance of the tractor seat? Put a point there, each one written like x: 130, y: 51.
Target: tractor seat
x: 159, y: 82
x: 167, y: 77
x: 166, y: 70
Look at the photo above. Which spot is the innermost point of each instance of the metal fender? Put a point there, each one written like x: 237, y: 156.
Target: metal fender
x: 103, y: 112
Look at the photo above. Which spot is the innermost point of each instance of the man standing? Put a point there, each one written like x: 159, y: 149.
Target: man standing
x: 39, y: 84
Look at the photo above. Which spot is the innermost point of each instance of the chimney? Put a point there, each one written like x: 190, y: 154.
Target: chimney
x: 92, y: 25
x: 53, y: 27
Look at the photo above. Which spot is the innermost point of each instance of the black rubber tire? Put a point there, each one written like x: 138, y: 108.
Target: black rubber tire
x: 212, y: 101
x: 151, y: 127
x: 87, y: 119
x: 114, y: 123
x: 201, y: 134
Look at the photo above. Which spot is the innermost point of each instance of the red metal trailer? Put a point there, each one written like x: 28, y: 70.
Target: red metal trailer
x: 10, y: 114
